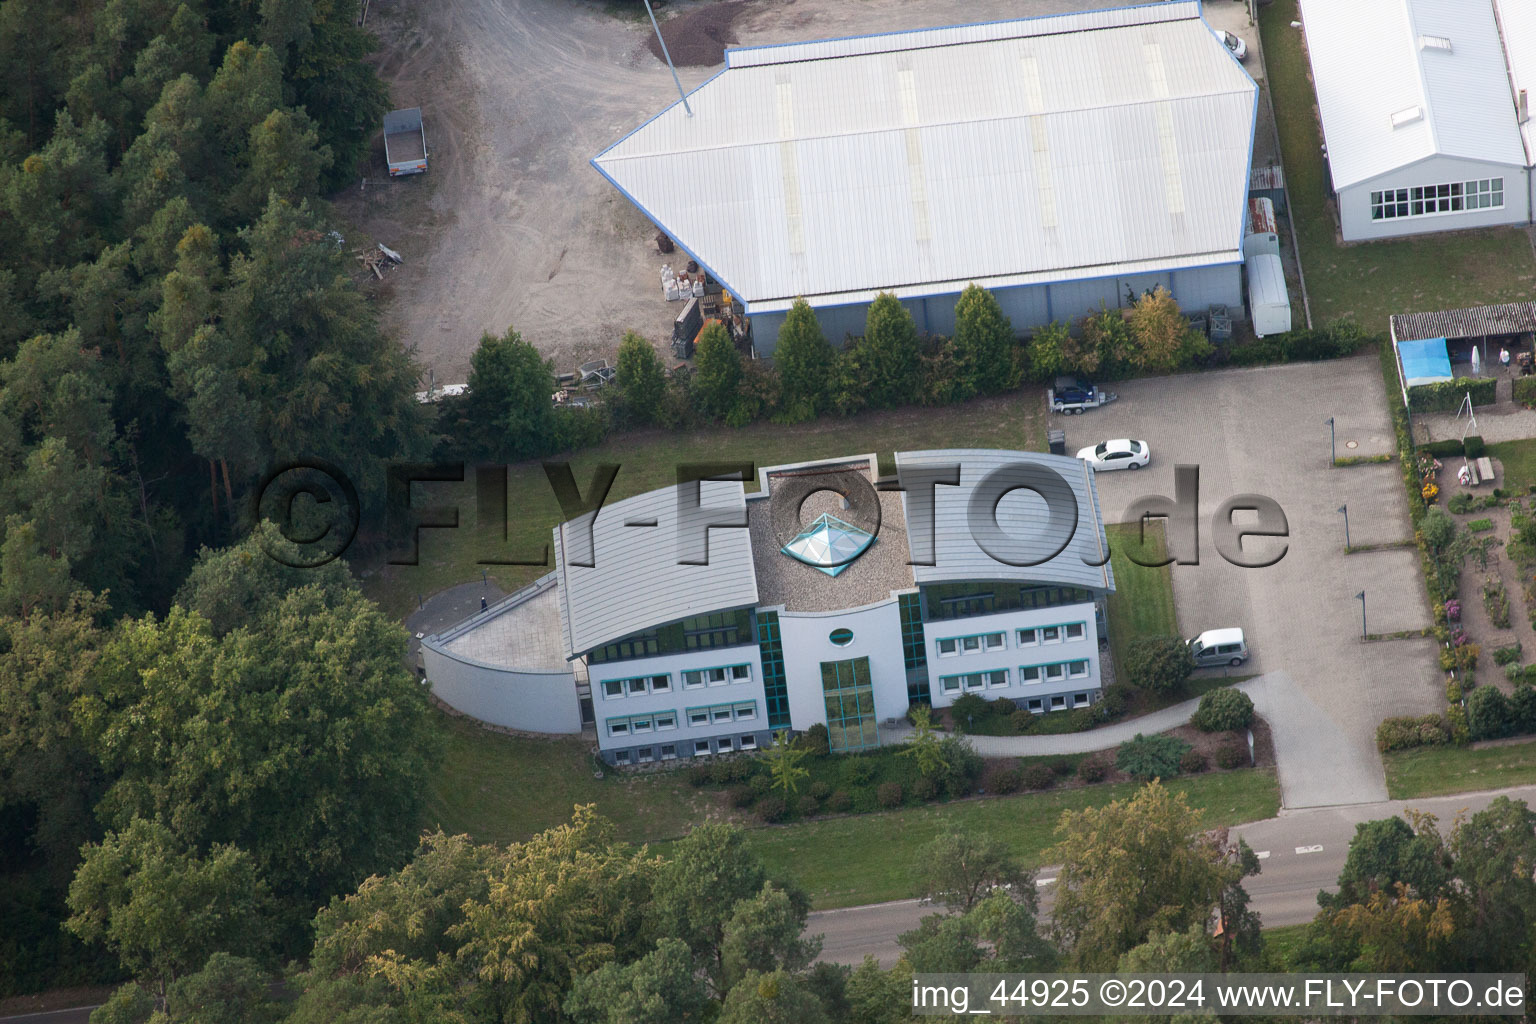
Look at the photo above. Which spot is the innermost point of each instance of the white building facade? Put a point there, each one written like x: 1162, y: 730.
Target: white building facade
x: 1422, y: 112
x: 830, y: 597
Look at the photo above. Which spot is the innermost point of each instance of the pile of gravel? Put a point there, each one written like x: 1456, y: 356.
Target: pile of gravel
x: 698, y: 38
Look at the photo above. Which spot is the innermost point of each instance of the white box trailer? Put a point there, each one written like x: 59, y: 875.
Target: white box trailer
x: 1269, y: 302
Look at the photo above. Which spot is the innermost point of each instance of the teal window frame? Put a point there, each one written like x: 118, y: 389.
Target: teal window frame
x: 770, y: 650
x: 850, y: 688
x: 1051, y: 625
x: 729, y: 706
x: 729, y: 670
x: 959, y: 640
x: 986, y: 683
x: 1065, y: 665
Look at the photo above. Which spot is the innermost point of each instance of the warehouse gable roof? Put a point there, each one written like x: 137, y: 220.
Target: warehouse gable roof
x: 1399, y: 81
x: 1517, y: 27
x: 1014, y: 152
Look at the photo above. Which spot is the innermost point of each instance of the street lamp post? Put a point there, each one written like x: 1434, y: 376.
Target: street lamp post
x: 1333, y: 447
x: 1345, y: 509
x: 1363, y: 632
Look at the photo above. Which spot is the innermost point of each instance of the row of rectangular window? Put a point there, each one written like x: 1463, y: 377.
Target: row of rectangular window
x: 701, y: 748
x: 1451, y: 197
x: 1058, y: 702
x: 1028, y: 674
x: 663, y: 720
x: 693, y: 679
x: 1032, y: 637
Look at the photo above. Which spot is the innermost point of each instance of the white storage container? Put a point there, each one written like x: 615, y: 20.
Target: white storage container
x: 1269, y: 302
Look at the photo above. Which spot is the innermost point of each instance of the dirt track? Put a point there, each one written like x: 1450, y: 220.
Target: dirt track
x: 512, y: 226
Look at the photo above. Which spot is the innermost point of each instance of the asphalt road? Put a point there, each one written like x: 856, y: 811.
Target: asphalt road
x: 1301, y: 852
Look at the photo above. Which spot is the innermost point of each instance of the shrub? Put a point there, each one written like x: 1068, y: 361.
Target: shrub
x: 1024, y: 722
x: 1113, y: 701
x: 1062, y: 766
x: 1460, y: 502
x: 1150, y: 757
x: 815, y: 740
x: 726, y: 770
x: 772, y: 809
x: 1407, y: 732
x: 889, y: 794
x: 1443, y: 449
x: 1489, y: 715
x: 1093, y: 769
x: 820, y: 789
x: 1232, y: 755
x: 969, y: 707
x: 1479, y: 525
x: 1037, y: 776
x: 1447, y: 395
x: 699, y: 775
x: 742, y: 796
x: 1193, y: 762
x: 859, y: 771
x: 913, y: 708
x: 760, y: 783
x: 840, y: 802
x: 1005, y: 781
x: 963, y: 766
x: 925, y: 788
x: 1525, y: 391
x: 1223, y: 710
x: 1522, y: 709
x: 1474, y: 446
x: 806, y: 806
x: 1507, y: 655
x: 1160, y: 664
x: 1002, y: 707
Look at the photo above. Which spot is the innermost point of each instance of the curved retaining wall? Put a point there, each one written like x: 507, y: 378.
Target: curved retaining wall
x: 528, y: 700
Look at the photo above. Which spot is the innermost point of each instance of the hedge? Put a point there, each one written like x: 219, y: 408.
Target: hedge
x: 1447, y: 395
x: 1525, y: 391
x: 1442, y: 449
x: 1406, y: 733
x: 1335, y: 341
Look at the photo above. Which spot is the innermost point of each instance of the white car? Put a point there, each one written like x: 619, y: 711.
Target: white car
x: 1235, y: 44
x: 1122, y: 453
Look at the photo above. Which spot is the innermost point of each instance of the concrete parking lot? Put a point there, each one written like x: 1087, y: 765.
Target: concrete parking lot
x: 1263, y: 430
x: 511, y: 226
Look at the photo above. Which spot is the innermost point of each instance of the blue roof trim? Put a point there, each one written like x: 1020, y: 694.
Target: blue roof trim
x: 940, y: 28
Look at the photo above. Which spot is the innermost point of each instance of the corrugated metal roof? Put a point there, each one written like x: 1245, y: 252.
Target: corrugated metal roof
x: 1391, y: 95
x: 915, y: 162
x: 958, y: 556
x: 1473, y: 322
x: 1517, y: 24
x: 1266, y: 179
x: 636, y: 581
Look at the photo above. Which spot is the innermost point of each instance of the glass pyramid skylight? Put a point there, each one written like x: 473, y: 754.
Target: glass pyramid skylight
x: 830, y: 545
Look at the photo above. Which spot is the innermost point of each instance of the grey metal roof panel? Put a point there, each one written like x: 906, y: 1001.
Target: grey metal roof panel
x: 1473, y: 322
x: 977, y: 153
x: 1084, y: 562
x: 636, y: 580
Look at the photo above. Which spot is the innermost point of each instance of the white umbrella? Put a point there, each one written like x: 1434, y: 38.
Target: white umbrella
x: 1477, y: 362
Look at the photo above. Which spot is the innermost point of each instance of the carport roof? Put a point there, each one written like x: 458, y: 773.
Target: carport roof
x: 1472, y: 322
x: 1018, y: 152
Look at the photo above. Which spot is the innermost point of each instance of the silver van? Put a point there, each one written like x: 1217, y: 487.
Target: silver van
x: 1219, y: 647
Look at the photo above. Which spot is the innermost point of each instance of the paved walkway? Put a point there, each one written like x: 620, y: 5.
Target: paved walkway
x: 1102, y: 738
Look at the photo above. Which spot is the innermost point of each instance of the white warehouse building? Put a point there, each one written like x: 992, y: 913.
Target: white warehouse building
x: 1063, y: 162
x: 701, y: 619
x: 1425, y: 112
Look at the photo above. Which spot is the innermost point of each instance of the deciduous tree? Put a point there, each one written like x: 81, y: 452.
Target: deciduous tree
x: 1131, y: 869
x: 960, y: 869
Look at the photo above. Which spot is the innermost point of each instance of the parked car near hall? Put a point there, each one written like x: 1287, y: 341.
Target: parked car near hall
x: 1121, y: 453
x: 1234, y: 43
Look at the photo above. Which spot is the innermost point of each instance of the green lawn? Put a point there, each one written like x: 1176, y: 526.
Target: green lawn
x: 1369, y: 281
x: 1437, y: 771
x: 868, y: 858
x: 1519, y: 461
x: 1142, y: 604
x: 1281, y: 944
x: 504, y: 789
x: 648, y: 460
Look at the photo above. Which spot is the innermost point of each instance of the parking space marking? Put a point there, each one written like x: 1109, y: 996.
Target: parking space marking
x: 1309, y: 849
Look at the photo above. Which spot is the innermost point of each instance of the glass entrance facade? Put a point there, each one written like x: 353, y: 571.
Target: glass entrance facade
x: 850, y: 702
